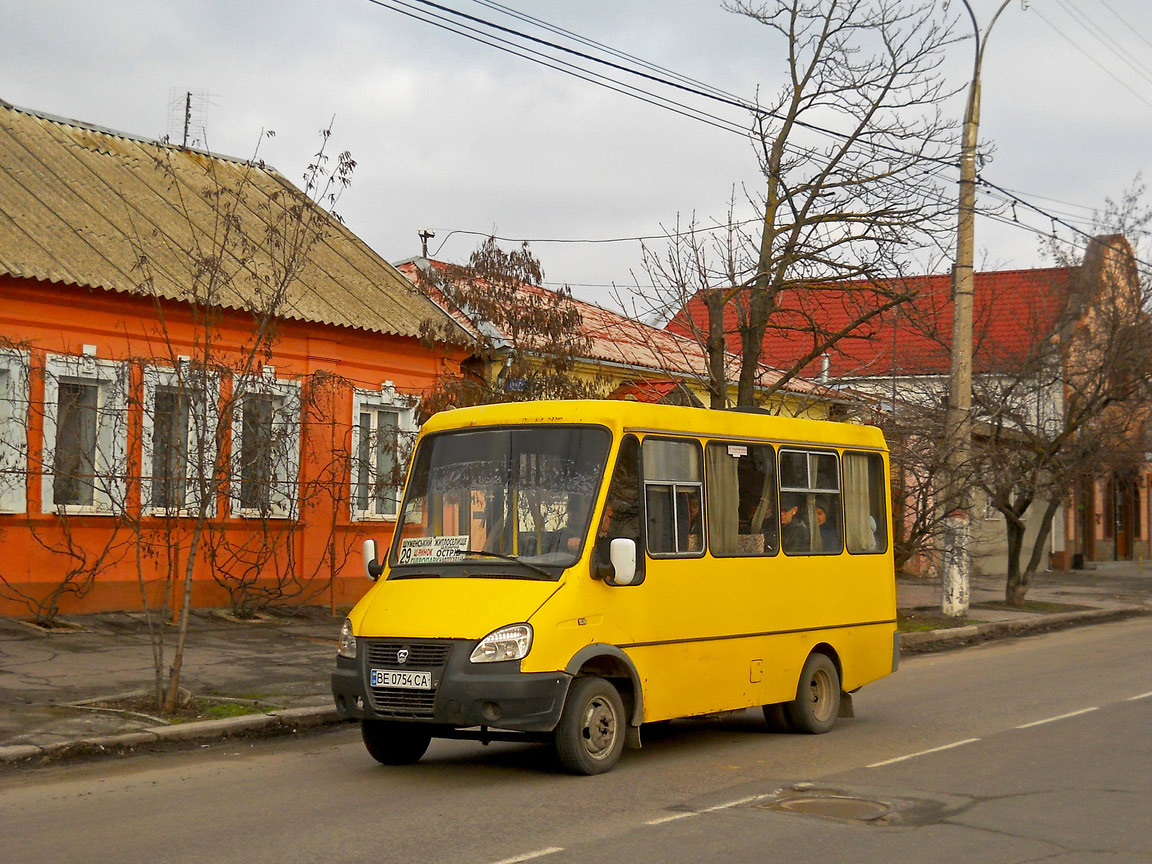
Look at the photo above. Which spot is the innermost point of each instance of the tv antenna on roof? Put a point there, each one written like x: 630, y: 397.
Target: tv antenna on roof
x: 187, y: 113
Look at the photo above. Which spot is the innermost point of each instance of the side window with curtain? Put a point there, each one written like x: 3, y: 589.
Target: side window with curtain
x: 742, y: 517
x: 811, y: 521
x: 673, y: 497
x: 865, y: 516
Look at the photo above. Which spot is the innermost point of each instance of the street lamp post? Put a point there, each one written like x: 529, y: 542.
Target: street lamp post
x: 957, y: 563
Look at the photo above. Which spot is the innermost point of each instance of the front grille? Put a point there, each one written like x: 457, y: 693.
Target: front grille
x: 421, y: 655
x: 431, y: 656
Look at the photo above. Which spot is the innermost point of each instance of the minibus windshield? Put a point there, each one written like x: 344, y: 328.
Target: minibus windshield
x: 516, y: 499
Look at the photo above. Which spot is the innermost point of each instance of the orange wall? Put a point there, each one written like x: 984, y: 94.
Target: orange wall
x: 46, y: 318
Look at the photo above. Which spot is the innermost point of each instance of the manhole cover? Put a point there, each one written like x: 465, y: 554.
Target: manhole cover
x: 829, y: 806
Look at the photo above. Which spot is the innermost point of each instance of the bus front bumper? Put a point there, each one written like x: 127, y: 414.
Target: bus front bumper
x: 463, y: 695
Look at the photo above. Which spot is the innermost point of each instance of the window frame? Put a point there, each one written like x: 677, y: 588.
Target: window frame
x: 14, y: 414
x: 284, y: 468
x: 204, y: 404
x: 809, y: 494
x: 769, y: 549
x: 110, y: 457
x: 375, y: 401
x: 678, y: 486
x: 875, y: 493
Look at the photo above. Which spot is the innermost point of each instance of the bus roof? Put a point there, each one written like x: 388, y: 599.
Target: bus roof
x: 625, y: 416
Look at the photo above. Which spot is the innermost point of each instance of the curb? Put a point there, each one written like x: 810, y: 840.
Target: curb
x: 286, y: 720
x: 958, y: 637
x: 292, y: 719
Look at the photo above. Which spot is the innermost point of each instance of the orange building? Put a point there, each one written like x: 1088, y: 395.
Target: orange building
x: 203, y: 373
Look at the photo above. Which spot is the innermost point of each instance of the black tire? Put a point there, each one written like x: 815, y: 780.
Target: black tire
x: 394, y: 743
x: 590, y: 735
x: 817, y: 702
x: 776, y: 718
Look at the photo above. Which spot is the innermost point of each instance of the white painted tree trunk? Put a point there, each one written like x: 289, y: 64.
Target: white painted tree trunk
x: 956, y: 567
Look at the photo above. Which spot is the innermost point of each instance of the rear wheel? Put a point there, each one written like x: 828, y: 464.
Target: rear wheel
x: 394, y: 743
x: 817, y: 702
x: 590, y: 735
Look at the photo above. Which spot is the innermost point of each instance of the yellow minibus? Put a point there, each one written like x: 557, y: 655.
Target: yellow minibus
x: 568, y: 571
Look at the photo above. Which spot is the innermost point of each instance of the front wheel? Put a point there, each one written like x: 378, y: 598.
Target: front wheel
x: 590, y: 735
x: 817, y: 702
x: 394, y: 743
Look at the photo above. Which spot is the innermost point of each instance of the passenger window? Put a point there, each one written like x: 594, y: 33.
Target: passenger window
x: 741, y: 499
x: 621, y: 516
x: 810, y: 512
x: 673, y: 494
x: 865, y: 516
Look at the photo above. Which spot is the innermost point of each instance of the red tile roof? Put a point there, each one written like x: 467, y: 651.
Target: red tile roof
x: 624, y: 341
x: 1011, y: 310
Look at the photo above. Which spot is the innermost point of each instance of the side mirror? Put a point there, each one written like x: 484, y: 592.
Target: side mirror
x: 622, y: 554
x: 372, y: 567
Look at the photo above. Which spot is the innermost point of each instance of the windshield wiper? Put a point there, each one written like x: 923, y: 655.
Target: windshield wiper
x: 504, y: 557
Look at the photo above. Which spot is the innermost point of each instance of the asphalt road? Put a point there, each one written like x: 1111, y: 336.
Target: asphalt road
x: 1023, y: 750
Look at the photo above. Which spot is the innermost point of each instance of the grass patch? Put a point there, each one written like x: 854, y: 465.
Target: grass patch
x: 1038, y: 606
x: 922, y: 620
x: 198, y: 708
x: 218, y: 710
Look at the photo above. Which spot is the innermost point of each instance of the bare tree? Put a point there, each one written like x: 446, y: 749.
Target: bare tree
x: 1073, y: 408
x: 850, y: 150
x: 529, y: 339
x: 225, y: 429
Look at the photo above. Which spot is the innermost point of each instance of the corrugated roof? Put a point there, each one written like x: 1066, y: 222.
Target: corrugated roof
x: 80, y: 205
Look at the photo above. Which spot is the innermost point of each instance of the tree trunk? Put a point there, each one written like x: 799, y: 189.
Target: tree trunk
x: 1015, y: 593
x: 717, y: 359
x: 1016, y: 586
x: 173, y: 692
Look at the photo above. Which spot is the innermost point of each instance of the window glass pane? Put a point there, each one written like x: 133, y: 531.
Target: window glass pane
x: 169, y: 448
x: 865, y: 519
x: 742, y: 499
x: 521, y: 492
x: 671, y: 460
x: 810, y: 514
x: 621, y: 516
x: 660, y: 519
x: 363, y: 465
x: 256, y: 451
x: 673, y: 484
x: 689, y: 520
x: 386, y: 480
x: 826, y: 474
x: 793, y: 470
x: 74, y: 458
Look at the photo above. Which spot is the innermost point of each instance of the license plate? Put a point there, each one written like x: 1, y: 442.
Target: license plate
x: 402, y: 680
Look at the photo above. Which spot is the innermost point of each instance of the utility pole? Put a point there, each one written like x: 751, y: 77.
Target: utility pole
x: 957, y: 559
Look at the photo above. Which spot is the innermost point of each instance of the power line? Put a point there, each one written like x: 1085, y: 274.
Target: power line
x: 1110, y: 44
x: 405, y: 7
x: 1120, y: 18
x: 1006, y: 198
x: 1095, y: 62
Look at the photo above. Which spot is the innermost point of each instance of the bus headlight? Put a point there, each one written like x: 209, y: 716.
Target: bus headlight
x: 507, y: 643
x: 347, y: 645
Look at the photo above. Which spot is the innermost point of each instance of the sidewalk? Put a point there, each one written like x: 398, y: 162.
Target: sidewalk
x: 49, y: 680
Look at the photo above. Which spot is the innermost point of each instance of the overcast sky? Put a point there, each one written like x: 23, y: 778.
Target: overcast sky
x: 460, y: 137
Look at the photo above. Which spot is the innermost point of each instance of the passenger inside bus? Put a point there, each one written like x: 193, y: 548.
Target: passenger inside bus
x: 829, y: 532
x: 794, y: 534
